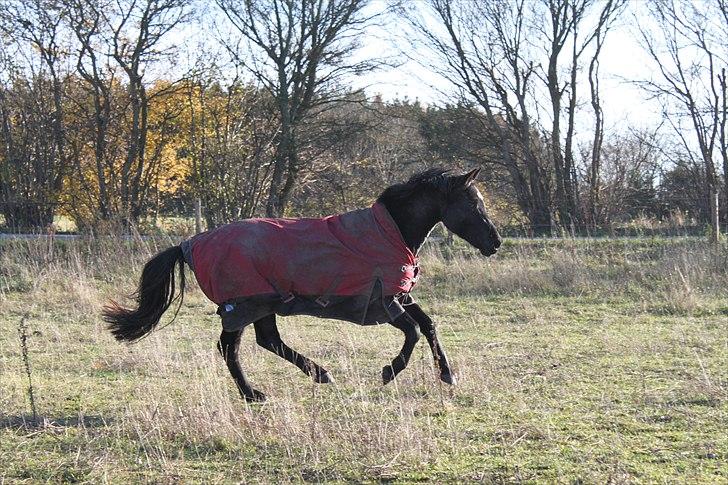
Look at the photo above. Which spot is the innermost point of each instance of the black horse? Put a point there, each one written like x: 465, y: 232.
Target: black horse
x: 415, y: 207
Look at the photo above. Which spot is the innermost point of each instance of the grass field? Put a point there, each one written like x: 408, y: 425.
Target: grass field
x: 581, y: 361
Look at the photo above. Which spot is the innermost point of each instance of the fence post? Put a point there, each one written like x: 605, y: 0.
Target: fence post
x: 715, y: 222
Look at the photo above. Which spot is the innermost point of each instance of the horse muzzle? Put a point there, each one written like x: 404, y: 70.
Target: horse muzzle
x: 488, y: 252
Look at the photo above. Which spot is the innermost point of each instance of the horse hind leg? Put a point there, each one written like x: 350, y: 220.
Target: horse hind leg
x: 229, y: 345
x: 268, y: 337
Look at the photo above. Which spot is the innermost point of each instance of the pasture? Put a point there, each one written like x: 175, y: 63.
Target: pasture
x: 589, y: 361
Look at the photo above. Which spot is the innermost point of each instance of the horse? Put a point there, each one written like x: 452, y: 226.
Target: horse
x: 231, y: 264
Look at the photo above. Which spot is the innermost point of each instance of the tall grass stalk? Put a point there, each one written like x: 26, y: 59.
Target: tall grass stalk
x: 23, y: 332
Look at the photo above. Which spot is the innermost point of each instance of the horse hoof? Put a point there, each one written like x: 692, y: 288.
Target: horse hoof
x: 324, y: 378
x: 387, y: 374
x: 448, y: 378
x: 257, y: 396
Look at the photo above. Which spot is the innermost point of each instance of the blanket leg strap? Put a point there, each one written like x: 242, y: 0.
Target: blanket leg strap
x: 324, y: 300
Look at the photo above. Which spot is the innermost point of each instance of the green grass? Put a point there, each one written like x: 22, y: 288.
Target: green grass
x: 578, y: 361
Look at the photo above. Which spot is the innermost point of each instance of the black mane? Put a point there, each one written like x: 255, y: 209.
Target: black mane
x: 434, y: 178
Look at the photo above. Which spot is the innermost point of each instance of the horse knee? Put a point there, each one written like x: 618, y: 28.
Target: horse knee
x: 266, y: 342
x: 226, y: 349
x: 425, y: 322
x: 227, y: 345
x: 409, y: 327
x: 413, y: 334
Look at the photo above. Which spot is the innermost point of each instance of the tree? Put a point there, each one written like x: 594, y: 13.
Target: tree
x: 29, y: 162
x: 367, y: 146
x: 300, y: 51
x: 138, y: 29
x: 490, y: 52
x: 481, y: 52
x: 117, y: 171
x: 459, y: 135
x: 31, y: 112
x: 681, y: 189
x: 629, y: 167
x: 686, y: 41
x: 227, y: 137
x: 604, y: 24
x: 87, y: 21
x: 567, y: 27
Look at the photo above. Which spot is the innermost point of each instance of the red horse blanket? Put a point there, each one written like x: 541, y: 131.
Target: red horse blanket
x: 353, y: 266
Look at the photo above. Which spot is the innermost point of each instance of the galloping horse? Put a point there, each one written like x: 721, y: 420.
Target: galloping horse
x: 358, y: 266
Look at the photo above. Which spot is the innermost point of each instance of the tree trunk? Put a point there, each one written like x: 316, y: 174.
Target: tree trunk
x: 714, y: 219
x: 138, y: 187
x: 569, y: 164
x: 285, y: 165
x: 723, y: 140
x: 198, y: 215
x: 598, y: 139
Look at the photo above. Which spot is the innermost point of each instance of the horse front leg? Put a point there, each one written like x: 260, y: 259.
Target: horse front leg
x: 229, y: 345
x: 427, y: 327
x: 407, y: 325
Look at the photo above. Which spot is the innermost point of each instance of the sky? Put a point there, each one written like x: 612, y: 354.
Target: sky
x: 622, y: 59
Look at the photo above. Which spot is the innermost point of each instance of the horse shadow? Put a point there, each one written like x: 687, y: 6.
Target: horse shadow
x: 30, y: 422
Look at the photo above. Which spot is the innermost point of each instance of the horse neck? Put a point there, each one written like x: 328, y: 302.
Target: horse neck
x: 415, y: 217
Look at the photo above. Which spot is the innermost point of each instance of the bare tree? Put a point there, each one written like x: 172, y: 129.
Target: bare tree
x: 490, y: 51
x: 568, y: 26
x: 33, y: 29
x: 300, y: 51
x: 29, y: 162
x: 87, y: 22
x: 629, y: 166
x: 137, y: 33
x: 229, y: 137
x: 564, y: 17
x: 723, y: 104
x: 117, y: 43
x: 607, y: 17
x: 365, y: 146
x: 686, y: 41
x: 480, y: 50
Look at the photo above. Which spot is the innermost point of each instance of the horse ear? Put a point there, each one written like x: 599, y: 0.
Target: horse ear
x: 472, y: 175
x: 465, y: 179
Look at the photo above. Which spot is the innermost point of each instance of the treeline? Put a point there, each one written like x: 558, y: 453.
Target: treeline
x: 101, y: 122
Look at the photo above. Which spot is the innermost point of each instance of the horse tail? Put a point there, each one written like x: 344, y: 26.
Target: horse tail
x: 154, y: 296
